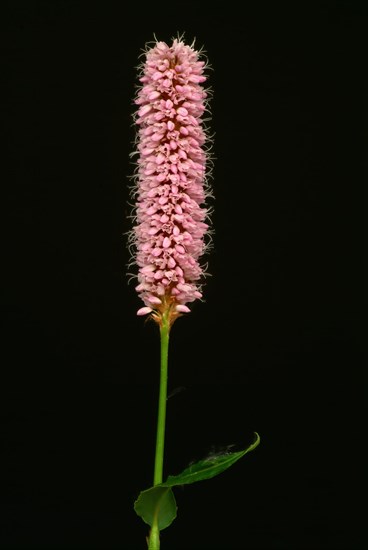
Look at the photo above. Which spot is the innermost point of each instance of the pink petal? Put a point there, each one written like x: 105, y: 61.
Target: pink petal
x: 144, y: 311
x: 154, y: 95
x: 182, y: 308
x: 145, y: 109
x: 182, y: 111
x: 154, y: 300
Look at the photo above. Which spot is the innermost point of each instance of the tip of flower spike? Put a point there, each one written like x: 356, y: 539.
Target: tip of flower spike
x: 181, y: 308
x: 144, y: 311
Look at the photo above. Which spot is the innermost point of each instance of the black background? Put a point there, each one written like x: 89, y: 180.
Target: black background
x: 276, y: 347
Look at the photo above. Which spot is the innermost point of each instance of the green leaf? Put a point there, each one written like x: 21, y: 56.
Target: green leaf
x: 156, y: 502
x: 208, y: 467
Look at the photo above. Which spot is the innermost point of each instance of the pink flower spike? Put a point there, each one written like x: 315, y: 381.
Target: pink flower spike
x: 171, y: 179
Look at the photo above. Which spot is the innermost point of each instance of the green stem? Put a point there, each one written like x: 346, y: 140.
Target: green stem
x: 154, y: 537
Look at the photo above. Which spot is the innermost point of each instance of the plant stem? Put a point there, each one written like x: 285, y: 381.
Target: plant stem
x: 154, y: 537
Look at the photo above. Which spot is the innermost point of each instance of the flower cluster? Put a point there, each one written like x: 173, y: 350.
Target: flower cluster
x: 171, y: 185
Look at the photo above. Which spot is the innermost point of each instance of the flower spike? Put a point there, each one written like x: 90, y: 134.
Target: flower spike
x: 171, y: 180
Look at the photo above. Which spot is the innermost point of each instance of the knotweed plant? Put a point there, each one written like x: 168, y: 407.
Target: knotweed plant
x: 171, y: 230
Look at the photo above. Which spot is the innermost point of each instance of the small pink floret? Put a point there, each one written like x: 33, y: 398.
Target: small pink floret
x: 182, y: 308
x: 144, y: 311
